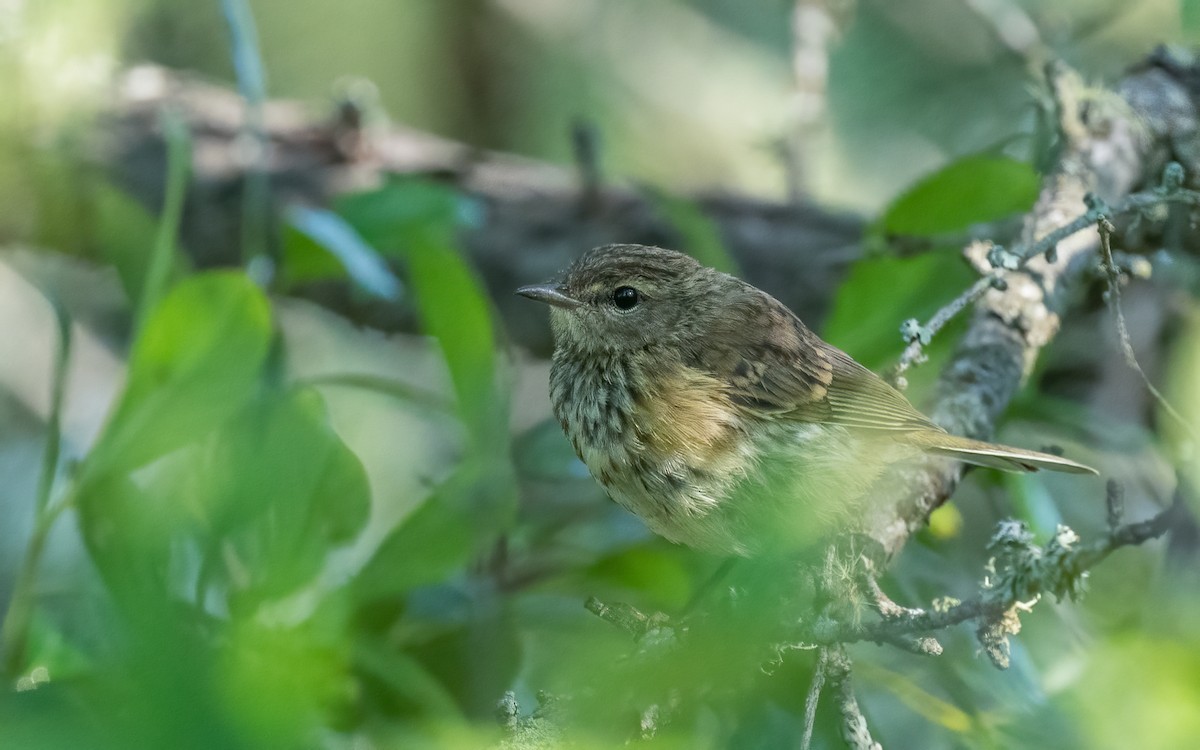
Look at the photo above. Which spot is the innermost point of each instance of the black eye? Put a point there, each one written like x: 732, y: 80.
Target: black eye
x: 625, y: 297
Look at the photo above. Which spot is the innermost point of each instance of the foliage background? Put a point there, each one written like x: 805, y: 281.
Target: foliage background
x: 248, y: 523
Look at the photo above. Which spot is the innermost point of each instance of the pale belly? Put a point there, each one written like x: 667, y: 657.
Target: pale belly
x: 789, y: 490
x: 698, y: 474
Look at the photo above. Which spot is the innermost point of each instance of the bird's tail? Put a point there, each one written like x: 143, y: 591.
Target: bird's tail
x: 992, y: 455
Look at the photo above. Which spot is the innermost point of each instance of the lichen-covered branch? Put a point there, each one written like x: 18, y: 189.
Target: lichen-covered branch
x: 1020, y: 572
x: 1109, y: 145
x: 855, y: 732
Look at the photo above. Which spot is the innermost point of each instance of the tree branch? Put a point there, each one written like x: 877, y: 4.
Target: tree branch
x: 1020, y: 572
x: 1107, y: 148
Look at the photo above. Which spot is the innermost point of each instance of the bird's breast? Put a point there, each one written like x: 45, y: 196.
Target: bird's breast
x: 664, y: 439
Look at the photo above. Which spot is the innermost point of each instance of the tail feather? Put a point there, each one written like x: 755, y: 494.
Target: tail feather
x: 992, y: 455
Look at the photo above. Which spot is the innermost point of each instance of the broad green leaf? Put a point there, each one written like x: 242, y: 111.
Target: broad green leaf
x: 275, y: 683
x: 652, y: 571
x: 449, y: 529
x: 196, y: 362
x: 387, y: 218
x: 455, y: 311
x: 1160, y: 713
x: 972, y: 190
x: 129, y: 535
x: 406, y: 677
x: 126, y: 234
x: 277, y: 487
x: 880, y: 293
x: 320, y: 244
x: 701, y: 237
x: 416, y: 221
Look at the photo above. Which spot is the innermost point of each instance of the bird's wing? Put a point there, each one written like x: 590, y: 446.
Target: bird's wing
x: 783, y: 370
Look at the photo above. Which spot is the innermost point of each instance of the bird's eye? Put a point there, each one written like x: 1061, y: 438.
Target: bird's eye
x: 625, y: 297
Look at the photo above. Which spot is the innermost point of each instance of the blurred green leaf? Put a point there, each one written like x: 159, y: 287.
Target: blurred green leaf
x: 319, y: 244
x: 450, y: 528
x: 195, y: 363
x: 1161, y: 712
x: 1189, y: 12
x: 543, y: 452
x: 701, y: 237
x: 651, y: 570
x: 454, y: 310
x: 1183, y: 392
x: 126, y: 233
x: 275, y: 488
x: 417, y: 221
x: 277, y: 683
x: 404, y: 208
x: 943, y: 713
x: 881, y: 292
x: 971, y: 190
x: 60, y: 208
x: 406, y: 677
x: 162, y: 258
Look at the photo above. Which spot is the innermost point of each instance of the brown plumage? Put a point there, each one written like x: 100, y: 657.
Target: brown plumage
x: 709, y: 409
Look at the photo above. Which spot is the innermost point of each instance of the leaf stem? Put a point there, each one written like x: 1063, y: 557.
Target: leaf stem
x: 14, y: 632
x: 179, y: 164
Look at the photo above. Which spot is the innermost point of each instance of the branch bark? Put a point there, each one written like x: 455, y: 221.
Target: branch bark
x: 1110, y: 143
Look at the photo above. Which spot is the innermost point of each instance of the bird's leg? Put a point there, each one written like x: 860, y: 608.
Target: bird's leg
x: 883, y: 604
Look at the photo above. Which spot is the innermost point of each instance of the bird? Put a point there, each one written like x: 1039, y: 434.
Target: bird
x: 704, y: 406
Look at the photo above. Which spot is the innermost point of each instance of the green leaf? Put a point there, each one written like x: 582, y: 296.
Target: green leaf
x: 320, y: 244
x: 416, y: 221
x: 972, y: 190
x: 279, y: 487
x: 126, y: 233
x: 701, y: 237
x: 462, y: 516
x: 650, y: 570
x: 880, y: 293
x: 455, y: 311
x: 388, y: 218
x: 275, y: 683
x: 195, y: 363
x: 162, y: 260
x: 406, y: 677
x: 1183, y: 394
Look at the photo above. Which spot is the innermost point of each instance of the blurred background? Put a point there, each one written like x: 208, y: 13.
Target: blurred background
x: 276, y: 462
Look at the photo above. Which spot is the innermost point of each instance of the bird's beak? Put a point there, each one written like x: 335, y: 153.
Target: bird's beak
x: 551, y: 294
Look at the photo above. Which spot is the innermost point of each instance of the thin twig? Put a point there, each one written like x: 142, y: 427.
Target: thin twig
x: 918, y: 336
x: 813, y: 697
x: 1113, y: 275
x: 630, y: 619
x: 855, y: 731
x: 914, y: 352
x: 994, y: 602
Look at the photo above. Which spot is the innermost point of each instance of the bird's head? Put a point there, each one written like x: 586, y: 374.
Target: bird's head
x: 626, y: 297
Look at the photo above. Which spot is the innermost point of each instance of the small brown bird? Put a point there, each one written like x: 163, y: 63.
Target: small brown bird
x: 704, y: 406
